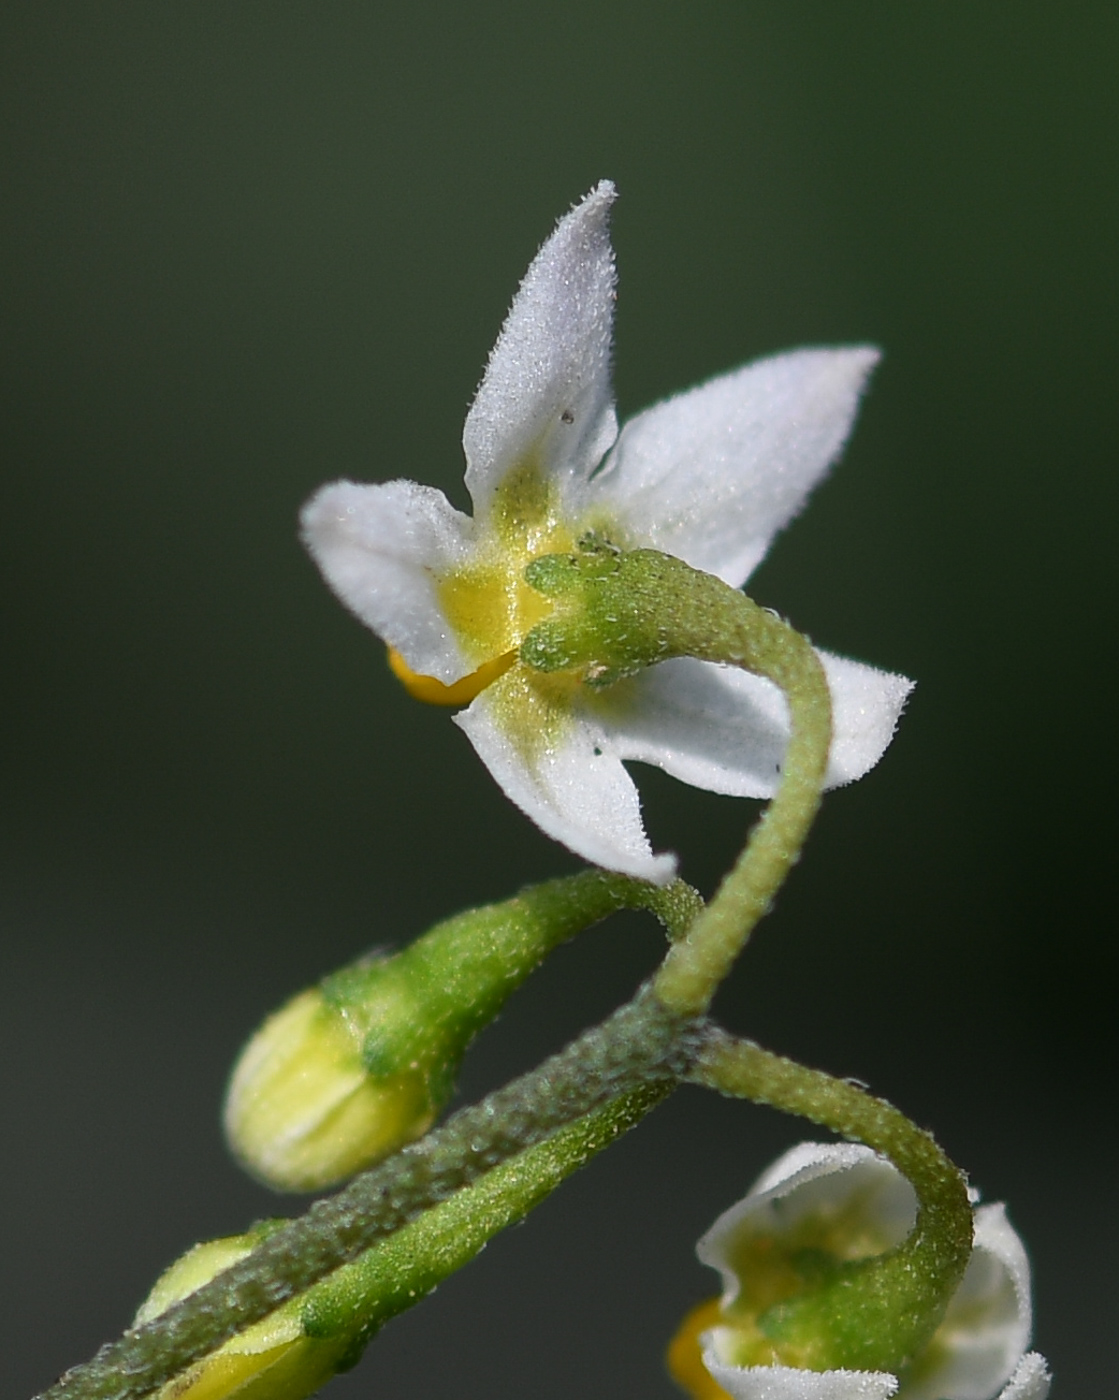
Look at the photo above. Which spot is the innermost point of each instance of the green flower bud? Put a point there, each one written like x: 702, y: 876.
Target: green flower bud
x: 350, y: 1071
x: 304, y: 1111
x: 272, y: 1360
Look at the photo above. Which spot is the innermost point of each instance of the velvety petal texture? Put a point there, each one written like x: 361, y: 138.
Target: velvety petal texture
x: 1030, y: 1380
x: 725, y: 730
x: 712, y: 474
x: 979, y: 1350
x: 547, y: 396
x: 709, y: 476
x: 786, y: 1383
x: 383, y: 549
x: 571, y: 787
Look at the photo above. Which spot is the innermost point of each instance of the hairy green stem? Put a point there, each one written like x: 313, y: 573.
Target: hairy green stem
x: 397, y: 1273
x: 879, y: 1312
x: 616, y: 613
x: 640, y: 1044
x: 734, y: 630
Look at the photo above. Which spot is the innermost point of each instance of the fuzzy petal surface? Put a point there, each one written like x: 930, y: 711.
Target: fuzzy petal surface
x: 712, y: 474
x: 1030, y: 1380
x: 979, y: 1350
x: 811, y: 1177
x: 787, y: 1383
x: 383, y: 550
x: 563, y: 779
x: 546, y: 398
x: 725, y: 730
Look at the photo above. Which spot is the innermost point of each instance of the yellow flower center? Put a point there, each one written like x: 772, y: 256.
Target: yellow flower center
x: 433, y: 692
x: 685, y: 1356
x: 488, y: 604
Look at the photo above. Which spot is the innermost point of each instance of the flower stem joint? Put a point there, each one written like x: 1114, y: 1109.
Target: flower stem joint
x: 355, y: 1068
x: 799, y: 1318
x: 611, y: 611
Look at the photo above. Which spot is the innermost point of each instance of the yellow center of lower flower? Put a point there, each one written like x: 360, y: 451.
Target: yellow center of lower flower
x: 685, y: 1356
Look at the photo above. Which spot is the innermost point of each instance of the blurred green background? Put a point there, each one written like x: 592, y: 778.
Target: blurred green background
x: 248, y: 248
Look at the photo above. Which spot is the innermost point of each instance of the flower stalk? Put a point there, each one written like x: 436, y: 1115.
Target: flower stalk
x: 879, y: 1313
x: 639, y: 1045
x: 619, y: 613
x: 352, y: 1070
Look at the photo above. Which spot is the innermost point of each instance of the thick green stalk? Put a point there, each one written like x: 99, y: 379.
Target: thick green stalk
x: 878, y: 1313
x: 639, y: 1045
x: 396, y: 1274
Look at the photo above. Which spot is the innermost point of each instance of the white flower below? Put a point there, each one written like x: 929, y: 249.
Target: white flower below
x: 848, y: 1202
x: 709, y: 476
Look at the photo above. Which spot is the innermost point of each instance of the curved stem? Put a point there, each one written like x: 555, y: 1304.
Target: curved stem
x: 615, y: 613
x: 882, y: 1310
x: 752, y: 638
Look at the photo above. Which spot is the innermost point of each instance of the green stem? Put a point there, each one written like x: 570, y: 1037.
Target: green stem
x: 399, y: 1272
x: 450, y: 982
x: 638, y: 1045
x: 615, y: 613
x: 419, y: 1009
x: 879, y: 1312
x: 757, y: 641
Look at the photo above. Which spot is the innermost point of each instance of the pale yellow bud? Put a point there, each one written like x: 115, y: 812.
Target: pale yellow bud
x: 303, y: 1111
x: 271, y: 1360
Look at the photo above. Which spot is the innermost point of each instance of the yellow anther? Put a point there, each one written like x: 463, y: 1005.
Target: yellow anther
x: 685, y: 1356
x: 434, y: 692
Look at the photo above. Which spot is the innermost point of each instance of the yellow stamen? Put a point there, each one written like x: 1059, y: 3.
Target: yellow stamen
x: 685, y: 1356
x: 434, y: 692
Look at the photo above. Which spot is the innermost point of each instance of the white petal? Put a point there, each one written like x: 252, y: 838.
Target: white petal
x: 866, y: 706
x: 570, y: 788
x: 810, y: 1178
x: 712, y: 474
x: 1030, y: 1380
x: 383, y: 549
x: 786, y: 1383
x: 546, y: 393
x: 726, y: 730
x: 987, y: 1326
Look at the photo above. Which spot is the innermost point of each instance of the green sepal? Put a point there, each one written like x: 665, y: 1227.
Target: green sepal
x: 613, y: 611
x: 419, y: 1009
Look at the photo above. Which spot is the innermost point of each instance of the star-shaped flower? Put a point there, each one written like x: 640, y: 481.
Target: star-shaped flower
x: 840, y: 1202
x: 709, y: 476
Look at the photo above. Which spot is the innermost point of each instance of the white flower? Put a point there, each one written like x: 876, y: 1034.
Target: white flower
x: 708, y: 476
x: 848, y: 1202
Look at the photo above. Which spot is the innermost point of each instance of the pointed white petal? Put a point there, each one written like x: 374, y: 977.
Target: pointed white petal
x: 725, y: 730
x: 987, y: 1326
x: 810, y: 1178
x: 562, y: 779
x: 785, y: 1383
x: 1030, y: 1380
x: 383, y: 549
x: 866, y: 706
x: 546, y: 393
x: 712, y: 474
